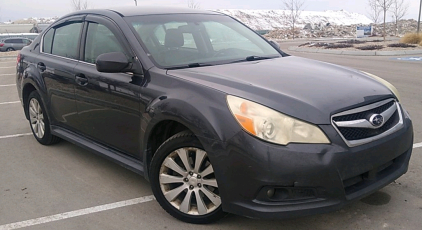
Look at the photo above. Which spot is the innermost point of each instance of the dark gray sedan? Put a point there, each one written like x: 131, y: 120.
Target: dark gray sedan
x: 216, y: 117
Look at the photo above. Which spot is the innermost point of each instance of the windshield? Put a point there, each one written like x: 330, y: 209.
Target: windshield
x: 193, y: 40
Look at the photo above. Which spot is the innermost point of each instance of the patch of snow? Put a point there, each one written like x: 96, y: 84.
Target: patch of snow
x: 273, y: 19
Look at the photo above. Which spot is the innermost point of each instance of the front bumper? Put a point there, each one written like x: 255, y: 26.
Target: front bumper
x: 324, y: 178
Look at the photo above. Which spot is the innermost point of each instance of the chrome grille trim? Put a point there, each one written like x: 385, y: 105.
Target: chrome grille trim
x: 363, y: 123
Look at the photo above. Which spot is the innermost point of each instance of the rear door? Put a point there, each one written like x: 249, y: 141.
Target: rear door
x: 108, y: 104
x: 56, y: 62
x: 20, y: 43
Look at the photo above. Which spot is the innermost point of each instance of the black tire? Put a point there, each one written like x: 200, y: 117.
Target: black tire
x: 185, y: 140
x: 46, y: 138
x: 10, y: 49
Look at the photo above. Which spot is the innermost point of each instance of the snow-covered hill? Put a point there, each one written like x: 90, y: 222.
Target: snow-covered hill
x: 273, y: 19
x: 268, y: 19
x: 47, y: 20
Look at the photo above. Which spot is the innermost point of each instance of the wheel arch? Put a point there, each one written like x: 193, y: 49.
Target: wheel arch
x: 26, y: 91
x: 32, y: 80
x: 171, y: 116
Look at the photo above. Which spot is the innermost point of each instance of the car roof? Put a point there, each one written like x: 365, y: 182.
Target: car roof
x: 149, y: 10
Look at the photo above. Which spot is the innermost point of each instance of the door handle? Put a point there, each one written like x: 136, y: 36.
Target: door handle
x: 41, y: 66
x: 81, y: 79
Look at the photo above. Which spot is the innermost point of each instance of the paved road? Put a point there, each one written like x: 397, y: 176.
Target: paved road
x: 38, y: 181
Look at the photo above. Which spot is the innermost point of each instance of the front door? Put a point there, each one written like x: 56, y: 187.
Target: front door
x: 108, y: 104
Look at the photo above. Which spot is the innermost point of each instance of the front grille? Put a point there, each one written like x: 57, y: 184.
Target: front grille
x: 365, y: 114
x: 354, y: 134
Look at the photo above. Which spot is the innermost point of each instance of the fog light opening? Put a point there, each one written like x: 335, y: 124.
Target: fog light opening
x: 286, y: 194
x: 270, y: 192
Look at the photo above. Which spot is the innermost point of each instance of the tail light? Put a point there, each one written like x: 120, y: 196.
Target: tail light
x: 18, y: 58
x: 1, y: 44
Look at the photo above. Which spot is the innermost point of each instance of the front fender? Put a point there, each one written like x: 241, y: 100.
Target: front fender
x: 206, y: 115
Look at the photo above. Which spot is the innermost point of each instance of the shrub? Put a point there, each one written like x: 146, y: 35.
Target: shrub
x: 372, y: 47
x: 319, y: 44
x: 304, y: 44
x: 402, y: 45
x: 413, y: 38
x: 338, y: 46
x: 353, y: 41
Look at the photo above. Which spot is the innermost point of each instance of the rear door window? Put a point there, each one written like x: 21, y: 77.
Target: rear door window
x: 14, y: 40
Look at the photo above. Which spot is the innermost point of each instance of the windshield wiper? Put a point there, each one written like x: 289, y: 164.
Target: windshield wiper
x: 191, y: 65
x: 254, y: 58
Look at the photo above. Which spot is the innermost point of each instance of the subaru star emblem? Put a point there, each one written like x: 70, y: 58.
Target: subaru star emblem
x: 376, y: 120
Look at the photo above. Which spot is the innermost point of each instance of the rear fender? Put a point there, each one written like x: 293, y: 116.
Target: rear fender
x: 33, y: 77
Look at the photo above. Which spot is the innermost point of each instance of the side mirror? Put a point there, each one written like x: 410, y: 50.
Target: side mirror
x: 115, y: 62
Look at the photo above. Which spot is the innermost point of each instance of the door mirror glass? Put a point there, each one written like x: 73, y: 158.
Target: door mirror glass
x: 115, y: 62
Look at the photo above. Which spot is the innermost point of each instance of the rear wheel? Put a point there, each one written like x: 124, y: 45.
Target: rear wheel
x: 38, y: 120
x: 10, y: 49
x: 183, y: 180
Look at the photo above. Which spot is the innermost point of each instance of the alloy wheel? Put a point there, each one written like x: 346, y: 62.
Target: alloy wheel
x: 188, y: 182
x: 36, y: 117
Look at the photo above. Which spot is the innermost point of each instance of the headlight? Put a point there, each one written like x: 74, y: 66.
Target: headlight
x: 272, y: 126
x: 386, y: 83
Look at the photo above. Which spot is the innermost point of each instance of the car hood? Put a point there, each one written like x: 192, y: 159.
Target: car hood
x: 306, y: 89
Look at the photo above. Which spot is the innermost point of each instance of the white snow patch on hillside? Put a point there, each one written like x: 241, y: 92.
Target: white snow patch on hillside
x: 273, y: 19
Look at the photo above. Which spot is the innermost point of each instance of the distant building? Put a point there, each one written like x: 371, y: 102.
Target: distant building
x: 42, y: 27
x: 30, y: 31
x: 16, y: 28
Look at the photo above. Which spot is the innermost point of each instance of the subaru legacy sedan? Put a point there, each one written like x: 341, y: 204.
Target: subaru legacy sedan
x: 216, y: 117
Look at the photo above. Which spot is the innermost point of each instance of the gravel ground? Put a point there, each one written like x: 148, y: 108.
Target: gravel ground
x: 12, y: 53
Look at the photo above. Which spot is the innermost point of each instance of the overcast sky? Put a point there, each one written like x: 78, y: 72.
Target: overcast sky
x: 17, y: 9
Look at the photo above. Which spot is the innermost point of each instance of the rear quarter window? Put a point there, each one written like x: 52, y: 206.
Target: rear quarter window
x: 48, y: 41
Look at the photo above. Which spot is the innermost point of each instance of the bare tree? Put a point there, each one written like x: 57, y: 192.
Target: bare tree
x: 136, y: 2
x: 294, y: 8
x: 79, y: 4
x: 374, y: 13
x: 385, y: 6
x: 193, y: 4
x: 398, y: 9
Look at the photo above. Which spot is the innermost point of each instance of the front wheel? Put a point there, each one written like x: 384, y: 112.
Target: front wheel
x: 183, y: 180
